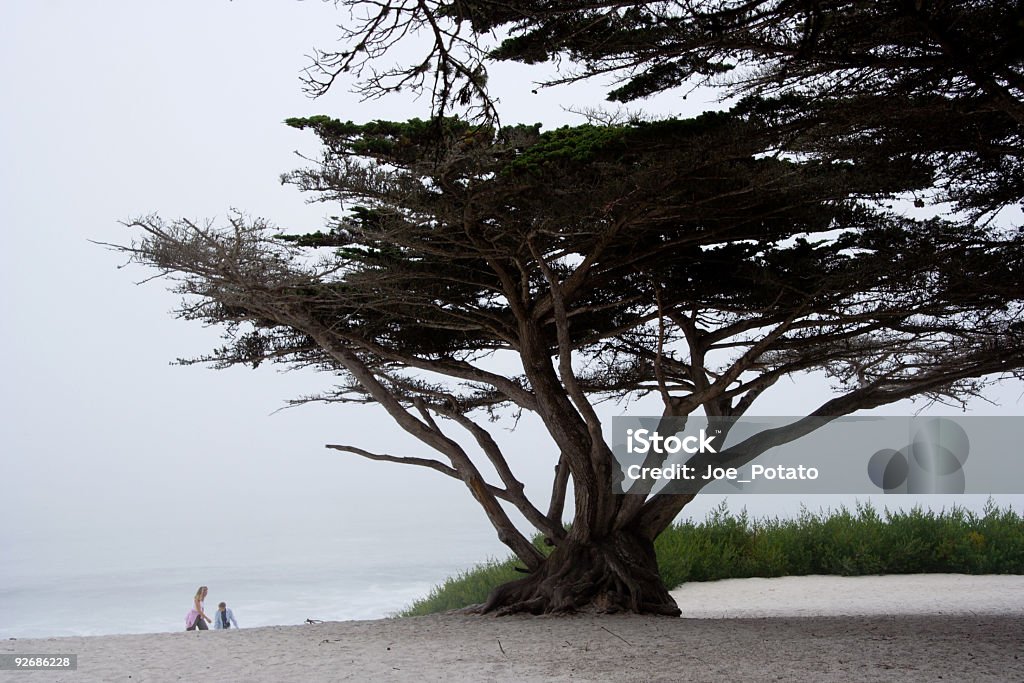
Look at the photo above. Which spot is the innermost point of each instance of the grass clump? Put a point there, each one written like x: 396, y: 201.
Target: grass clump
x: 470, y: 587
x: 465, y: 588
x: 844, y: 542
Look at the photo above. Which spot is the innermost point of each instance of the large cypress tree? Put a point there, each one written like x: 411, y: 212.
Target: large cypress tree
x: 674, y: 257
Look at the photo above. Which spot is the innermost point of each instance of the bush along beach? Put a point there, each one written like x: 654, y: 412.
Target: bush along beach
x: 843, y: 541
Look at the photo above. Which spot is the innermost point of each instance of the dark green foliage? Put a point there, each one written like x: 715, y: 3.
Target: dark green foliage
x: 627, y: 143
x: 843, y: 542
x: 871, y: 81
x: 917, y: 45
x: 940, y: 81
x: 405, y: 142
x: 382, y: 137
x: 676, y: 184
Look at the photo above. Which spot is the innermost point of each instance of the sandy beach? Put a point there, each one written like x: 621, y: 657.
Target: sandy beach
x: 907, y: 628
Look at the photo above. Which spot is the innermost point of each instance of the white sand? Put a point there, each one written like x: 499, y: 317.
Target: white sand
x: 804, y: 596
x: 917, y: 628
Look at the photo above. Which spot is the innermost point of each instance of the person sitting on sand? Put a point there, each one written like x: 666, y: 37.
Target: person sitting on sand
x: 224, y: 617
x: 196, y: 619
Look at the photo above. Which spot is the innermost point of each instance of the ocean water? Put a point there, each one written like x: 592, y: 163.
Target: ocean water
x: 365, y: 578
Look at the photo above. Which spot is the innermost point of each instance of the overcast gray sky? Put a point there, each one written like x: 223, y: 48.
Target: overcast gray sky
x: 119, y: 108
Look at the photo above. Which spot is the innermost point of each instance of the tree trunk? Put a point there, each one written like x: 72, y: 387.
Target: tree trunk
x: 618, y: 573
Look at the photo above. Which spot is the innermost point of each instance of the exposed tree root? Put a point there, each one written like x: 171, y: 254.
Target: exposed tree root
x: 616, y: 574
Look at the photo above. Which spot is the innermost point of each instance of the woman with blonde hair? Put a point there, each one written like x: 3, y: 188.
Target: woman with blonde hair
x: 196, y: 618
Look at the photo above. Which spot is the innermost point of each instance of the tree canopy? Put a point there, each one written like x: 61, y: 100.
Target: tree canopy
x: 939, y: 80
x: 682, y: 258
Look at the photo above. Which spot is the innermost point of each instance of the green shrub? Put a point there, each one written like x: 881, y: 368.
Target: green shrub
x: 467, y: 588
x: 845, y: 542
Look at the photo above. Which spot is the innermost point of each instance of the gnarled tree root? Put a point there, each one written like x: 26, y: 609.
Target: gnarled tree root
x: 616, y: 574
